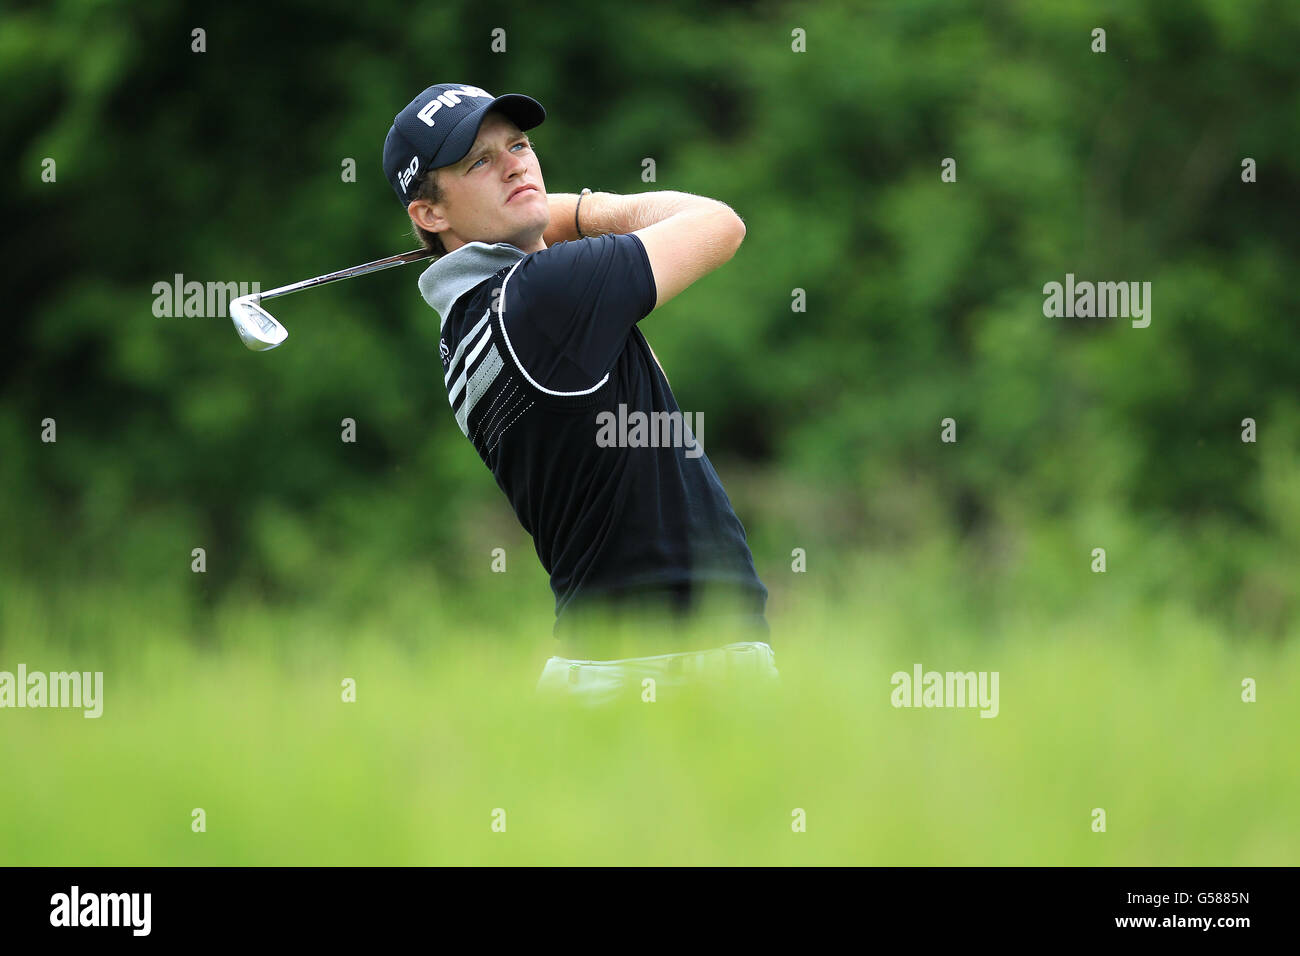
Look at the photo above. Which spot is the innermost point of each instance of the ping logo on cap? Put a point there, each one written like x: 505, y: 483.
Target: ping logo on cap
x: 449, y: 99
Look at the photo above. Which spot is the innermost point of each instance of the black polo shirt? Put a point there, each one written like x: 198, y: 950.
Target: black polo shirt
x: 545, y: 370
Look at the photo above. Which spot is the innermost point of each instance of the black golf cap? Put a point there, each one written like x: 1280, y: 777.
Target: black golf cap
x: 439, y: 126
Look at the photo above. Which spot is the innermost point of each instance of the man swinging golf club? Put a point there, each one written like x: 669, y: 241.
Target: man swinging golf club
x: 538, y: 299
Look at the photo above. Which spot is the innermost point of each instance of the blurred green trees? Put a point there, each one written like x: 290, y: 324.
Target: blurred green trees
x: 923, y: 297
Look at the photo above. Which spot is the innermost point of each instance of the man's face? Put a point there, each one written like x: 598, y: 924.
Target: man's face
x: 479, y: 200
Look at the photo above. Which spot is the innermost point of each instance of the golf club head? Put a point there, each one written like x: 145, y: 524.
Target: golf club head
x: 257, y: 327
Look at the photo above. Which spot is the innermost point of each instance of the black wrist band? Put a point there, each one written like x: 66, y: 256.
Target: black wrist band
x: 576, y: 225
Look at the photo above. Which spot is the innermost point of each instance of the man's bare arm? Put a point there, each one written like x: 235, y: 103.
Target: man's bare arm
x: 604, y: 213
x: 685, y: 236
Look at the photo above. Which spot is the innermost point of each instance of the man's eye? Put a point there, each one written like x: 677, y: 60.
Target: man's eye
x: 522, y: 142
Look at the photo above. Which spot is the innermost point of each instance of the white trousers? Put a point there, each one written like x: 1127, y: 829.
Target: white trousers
x: 595, y: 683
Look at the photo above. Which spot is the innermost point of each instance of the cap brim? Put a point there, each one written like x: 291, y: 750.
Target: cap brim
x: 524, y: 111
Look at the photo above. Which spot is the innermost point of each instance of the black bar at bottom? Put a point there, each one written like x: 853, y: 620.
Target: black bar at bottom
x: 375, y: 905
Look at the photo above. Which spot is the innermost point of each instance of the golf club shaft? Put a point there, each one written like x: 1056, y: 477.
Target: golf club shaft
x: 376, y: 266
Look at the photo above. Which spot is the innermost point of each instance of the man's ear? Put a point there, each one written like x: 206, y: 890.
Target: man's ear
x: 426, y: 215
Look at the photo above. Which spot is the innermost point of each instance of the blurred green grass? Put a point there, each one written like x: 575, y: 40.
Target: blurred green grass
x: 1132, y: 707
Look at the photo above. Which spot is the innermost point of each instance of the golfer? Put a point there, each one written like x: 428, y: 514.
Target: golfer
x: 546, y: 370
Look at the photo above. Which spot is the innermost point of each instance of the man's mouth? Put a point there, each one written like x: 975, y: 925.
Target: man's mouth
x: 521, y: 190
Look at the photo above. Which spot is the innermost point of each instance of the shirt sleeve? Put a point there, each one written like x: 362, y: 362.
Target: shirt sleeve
x: 569, y: 309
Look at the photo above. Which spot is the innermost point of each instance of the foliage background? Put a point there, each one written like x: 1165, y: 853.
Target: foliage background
x: 924, y: 301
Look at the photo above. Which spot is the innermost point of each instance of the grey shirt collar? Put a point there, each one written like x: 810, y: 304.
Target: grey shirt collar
x: 454, y: 274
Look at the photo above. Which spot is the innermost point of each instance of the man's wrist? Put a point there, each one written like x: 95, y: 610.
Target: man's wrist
x: 596, y: 212
x: 563, y: 208
x: 606, y: 213
x: 599, y: 213
x: 577, y: 212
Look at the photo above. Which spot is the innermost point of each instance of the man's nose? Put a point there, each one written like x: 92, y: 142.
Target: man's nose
x: 514, y: 163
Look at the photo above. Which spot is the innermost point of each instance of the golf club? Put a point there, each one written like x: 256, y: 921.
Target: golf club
x: 259, y: 329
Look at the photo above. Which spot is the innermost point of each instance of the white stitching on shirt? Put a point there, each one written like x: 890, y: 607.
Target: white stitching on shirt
x: 485, y: 425
x: 511, y: 422
x: 506, y: 412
